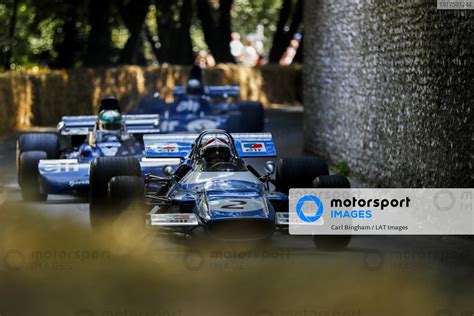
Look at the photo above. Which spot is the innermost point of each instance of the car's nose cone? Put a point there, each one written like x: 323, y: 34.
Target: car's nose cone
x: 239, y: 216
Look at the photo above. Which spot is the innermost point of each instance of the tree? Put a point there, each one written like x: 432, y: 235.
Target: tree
x: 216, y: 25
x: 11, y: 35
x: 248, y: 14
x: 133, y: 15
x: 99, y: 42
x: 67, y: 42
x: 173, y: 21
x: 285, y: 33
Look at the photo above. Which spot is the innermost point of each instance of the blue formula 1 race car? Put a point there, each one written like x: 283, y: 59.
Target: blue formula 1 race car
x: 58, y: 163
x: 211, y: 186
x: 197, y: 107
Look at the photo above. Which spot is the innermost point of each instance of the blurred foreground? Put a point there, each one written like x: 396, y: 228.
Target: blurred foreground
x: 52, y: 266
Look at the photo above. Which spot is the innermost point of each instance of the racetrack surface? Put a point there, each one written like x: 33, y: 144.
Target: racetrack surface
x: 431, y: 275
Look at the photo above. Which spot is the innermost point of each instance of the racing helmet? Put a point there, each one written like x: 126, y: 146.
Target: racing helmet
x: 216, y: 150
x: 194, y: 87
x: 110, y: 120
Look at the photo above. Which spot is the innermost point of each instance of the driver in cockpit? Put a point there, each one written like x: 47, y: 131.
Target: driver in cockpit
x: 216, y: 150
x: 216, y: 155
x: 110, y: 127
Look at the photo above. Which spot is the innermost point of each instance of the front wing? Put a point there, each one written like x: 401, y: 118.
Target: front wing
x: 64, y: 176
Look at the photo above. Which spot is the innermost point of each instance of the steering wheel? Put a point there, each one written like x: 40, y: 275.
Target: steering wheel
x: 109, y: 134
x: 106, y: 135
x: 218, y: 166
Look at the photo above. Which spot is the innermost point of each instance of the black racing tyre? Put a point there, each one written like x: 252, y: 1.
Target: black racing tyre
x: 253, y: 117
x: 46, y: 142
x: 126, y: 193
x: 29, y: 177
x: 234, y: 122
x: 102, y: 170
x: 151, y: 105
x: 298, y: 172
x: 332, y: 242
x: 333, y: 181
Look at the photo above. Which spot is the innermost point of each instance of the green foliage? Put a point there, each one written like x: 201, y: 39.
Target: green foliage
x: 197, y: 36
x: 41, y: 27
x: 342, y: 168
x: 42, y: 42
x: 247, y: 14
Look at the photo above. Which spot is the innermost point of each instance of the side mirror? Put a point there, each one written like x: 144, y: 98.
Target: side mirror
x: 269, y: 168
x: 168, y: 170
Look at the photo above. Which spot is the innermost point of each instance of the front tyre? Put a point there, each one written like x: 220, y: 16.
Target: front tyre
x: 102, y: 170
x: 30, y: 177
x: 126, y: 194
x: 332, y: 242
x: 332, y: 182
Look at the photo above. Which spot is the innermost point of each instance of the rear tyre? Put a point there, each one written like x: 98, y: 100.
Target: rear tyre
x: 102, y: 170
x: 234, y: 122
x: 46, y: 142
x: 332, y: 242
x: 298, y: 172
x: 151, y: 105
x: 253, y: 117
x: 30, y: 177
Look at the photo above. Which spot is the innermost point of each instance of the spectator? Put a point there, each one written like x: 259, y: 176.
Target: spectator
x: 236, y: 46
x: 204, y: 59
x: 290, y: 53
x: 249, y: 55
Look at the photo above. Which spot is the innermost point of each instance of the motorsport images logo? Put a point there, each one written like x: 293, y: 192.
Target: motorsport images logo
x: 316, y: 207
x: 384, y: 211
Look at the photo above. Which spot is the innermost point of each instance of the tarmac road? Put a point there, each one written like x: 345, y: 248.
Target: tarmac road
x: 445, y: 262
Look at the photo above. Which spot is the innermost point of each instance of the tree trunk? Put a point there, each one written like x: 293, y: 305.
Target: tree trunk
x: 133, y: 15
x: 67, y: 49
x: 299, y: 53
x: 175, y: 37
x: 99, y: 42
x: 282, y: 38
x: 224, y: 30
x: 217, y: 33
x: 153, y: 43
x: 11, y: 35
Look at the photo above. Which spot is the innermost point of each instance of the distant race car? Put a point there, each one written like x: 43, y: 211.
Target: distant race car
x: 58, y: 163
x: 197, y: 108
x: 210, y: 185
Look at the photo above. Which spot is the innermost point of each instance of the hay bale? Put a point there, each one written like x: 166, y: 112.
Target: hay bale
x: 42, y: 97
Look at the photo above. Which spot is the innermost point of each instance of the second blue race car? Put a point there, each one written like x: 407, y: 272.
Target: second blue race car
x: 58, y: 163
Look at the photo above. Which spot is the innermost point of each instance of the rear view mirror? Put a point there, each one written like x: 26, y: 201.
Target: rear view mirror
x: 269, y: 167
x: 168, y: 170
